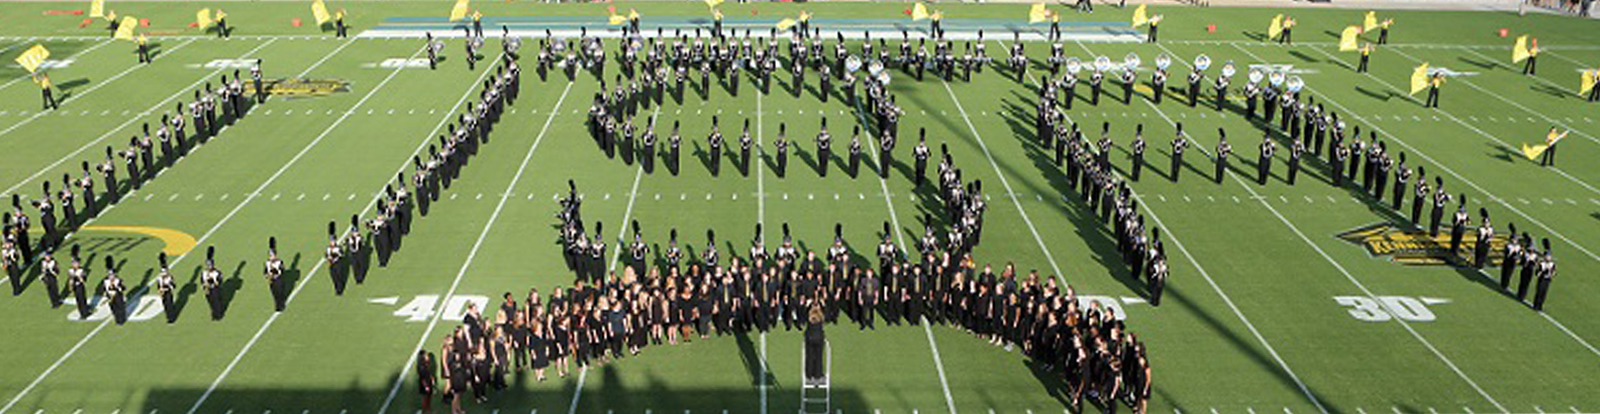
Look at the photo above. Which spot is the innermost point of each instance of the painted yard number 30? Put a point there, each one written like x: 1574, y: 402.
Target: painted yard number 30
x: 1384, y: 308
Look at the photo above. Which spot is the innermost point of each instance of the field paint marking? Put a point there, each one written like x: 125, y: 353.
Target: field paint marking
x: 1226, y: 299
x: 274, y: 317
x: 125, y: 124
x: 69, y: 57
x: 180, y: 258
x: 1361, y: 286
x: 578, y: 391
x: 761, y: 218
x: 1475, y: 186
x: 1563, y: 173
x: 405, y: 370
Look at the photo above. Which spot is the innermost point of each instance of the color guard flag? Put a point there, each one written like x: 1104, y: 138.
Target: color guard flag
x: 1276, y: 27
x: 1587, y: 83
x: 1533, y: 151
x: 125, y: 30
x: 1419, y: 78
x: 1550, y: 140
x: 1519, y: 52
x: 34, y: 57
x: 202, y: 19
x: 713, y: 3
x: 919, y: 11
x: 617, y: 20
x: 1371, y: 22
x: 319, y: 11
x: 1140, y: 16
x: 1347, y: 40
x: 97, y: 8
x: 459, y: 11
x: 1038, y: 14
x: 785, y: 24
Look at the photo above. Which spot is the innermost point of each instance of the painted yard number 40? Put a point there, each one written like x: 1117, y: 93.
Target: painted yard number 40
x: 421, y: 308
x: 1384, y: 308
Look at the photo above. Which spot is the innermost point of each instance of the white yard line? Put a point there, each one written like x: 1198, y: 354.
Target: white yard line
x: 1458, y: 176
x: 1173, y: 235
x: 1368, y: 292
x: 1513, y: 149
x: 405, y: 370
x: 1546, y: 316
x: 96, y: 87
x: 224, y: 221
x: 69, y: 57
x: 1352, y: 279
x: 130, y: 121
x: 761, y: 219
x: 1514, y: 103
x: 874, y: 143
x: 86, y: 337
x: 305, y: 280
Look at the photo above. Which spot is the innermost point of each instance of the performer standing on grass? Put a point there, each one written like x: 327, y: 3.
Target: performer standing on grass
x: 78, y: 281
x: 1480, y: 245
x: 167, y: 288
x: 1179, y: 144
x: 274, y: 275
x: 1224, y: 150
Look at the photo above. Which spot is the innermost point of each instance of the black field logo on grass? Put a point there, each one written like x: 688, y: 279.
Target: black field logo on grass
x: 300, y: 88
x: 1417, y: 247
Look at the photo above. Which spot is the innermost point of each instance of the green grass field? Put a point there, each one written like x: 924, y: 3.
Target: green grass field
x: 1255, y: 318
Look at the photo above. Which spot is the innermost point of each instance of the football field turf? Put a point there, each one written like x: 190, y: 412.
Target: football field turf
x: 1268, y: 308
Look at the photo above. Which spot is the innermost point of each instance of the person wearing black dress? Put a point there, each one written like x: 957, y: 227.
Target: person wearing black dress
x: 426, y: 379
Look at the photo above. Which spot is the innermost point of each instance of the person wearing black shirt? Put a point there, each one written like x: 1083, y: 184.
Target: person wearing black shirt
x: 1138, y: 151
x: 816, y: 344
x: 427, y: 378
x: 1179, y: 144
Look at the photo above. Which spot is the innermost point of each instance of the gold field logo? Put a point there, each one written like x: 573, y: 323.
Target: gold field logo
x: 1416, y: 247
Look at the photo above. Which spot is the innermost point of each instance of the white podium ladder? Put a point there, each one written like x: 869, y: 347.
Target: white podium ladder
x: 817, y: 397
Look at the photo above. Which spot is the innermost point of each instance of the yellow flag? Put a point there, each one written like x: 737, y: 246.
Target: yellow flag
x: 125, y: 30
x: 1587, y: 83
x: 1419, y: 79
x: 618, y: 20
x: 202, y: 18
x: 1533, y: 151
x: 1347, y: 39
x: 919, y: 11
x: 34, y: 57
x: 1371, y: 22
x: 319, y: 11
x: 1038, y: 13
x: 1519, y: 52
x: 1140, y: 17
x: 785, y: 24
x: 713, y: 3
x: 97, y: 8
x: 1276, y: 27
x: 459, y: 11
